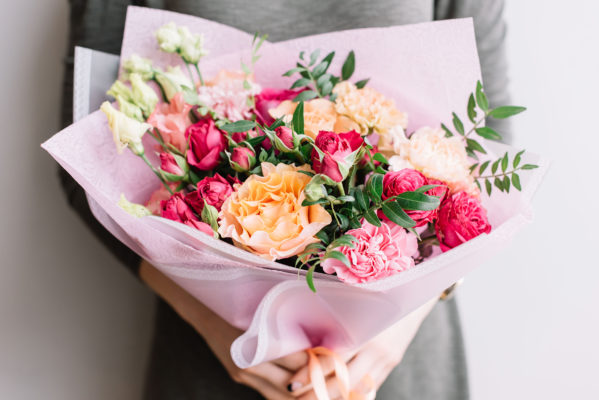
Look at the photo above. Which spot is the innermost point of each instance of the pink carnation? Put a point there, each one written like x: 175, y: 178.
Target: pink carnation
x: 172, y: 119
x: 227, y: 95
x: 378, y: 253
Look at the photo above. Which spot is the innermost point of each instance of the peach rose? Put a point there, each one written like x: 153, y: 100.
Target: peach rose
x: 437, y: 157
x: 319, y: 115
x: 369, y: 109
x: 265, y: 216
x: 172, y: 119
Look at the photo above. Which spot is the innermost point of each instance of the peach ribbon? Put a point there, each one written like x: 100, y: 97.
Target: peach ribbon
x: 317, y: 377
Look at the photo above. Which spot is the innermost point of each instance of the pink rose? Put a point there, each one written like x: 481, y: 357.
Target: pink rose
x: 214, y: 190
x: 461, y: 218
x: 244, y: 157
x: 408, y: 180
x: 158, y: 196
x: 284, y: 133
x: 169, y: 164
x: 172, y: 119
x: 336, y: 147
x: 176, y: 209
x: 206, y: 142
x: 378, y: 253
x: 268, y: 99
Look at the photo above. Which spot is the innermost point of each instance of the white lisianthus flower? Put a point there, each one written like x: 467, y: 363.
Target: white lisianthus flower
x: 169, y: 38
x: 438, y: 157
x: 126, y: 131
x: 192, y: 46
x: 137, y: 65
x: 118, y: 88
x: 172, y: 81
x: 129, y: 109
x: 142, y: 94
x: 137, y: 210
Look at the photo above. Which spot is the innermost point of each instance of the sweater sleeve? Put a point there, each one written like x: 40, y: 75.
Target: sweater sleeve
x: 98, y: 25
x: 490, y: 30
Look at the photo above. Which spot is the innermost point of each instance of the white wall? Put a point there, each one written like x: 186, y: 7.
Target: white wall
x: 530, y: 316
x: 74, y: 325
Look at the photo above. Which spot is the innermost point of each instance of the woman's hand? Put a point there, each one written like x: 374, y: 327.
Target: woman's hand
x: 371, y: 364
x: 270, y: 379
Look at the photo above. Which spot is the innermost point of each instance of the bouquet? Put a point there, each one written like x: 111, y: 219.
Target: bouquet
x: 249, y: 164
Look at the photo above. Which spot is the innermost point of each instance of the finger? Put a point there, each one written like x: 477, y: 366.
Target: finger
x: 359, y: 366
x: 263, y: 386
x: 300, y: 382
x: 277, y: 376
x: 293, y: 362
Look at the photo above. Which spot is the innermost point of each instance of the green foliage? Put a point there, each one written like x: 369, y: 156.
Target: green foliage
x: 501, y: 176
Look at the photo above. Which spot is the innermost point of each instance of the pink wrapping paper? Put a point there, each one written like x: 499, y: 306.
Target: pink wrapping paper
x: 429, y: 69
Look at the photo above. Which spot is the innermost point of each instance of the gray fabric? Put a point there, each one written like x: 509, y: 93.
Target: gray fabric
x: 181, y: 365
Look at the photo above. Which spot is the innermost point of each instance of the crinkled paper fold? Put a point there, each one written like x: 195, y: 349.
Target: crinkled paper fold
x: 429, y: 69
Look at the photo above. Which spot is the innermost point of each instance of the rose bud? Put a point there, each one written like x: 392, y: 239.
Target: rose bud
x: 214, y: 190
x: 461, y: 218
x: 284, y: 141
x: 176, y: 209
x: 242, y: 159
x: 174, y: 166
x: 332, y: 153
x: 206, y: 142
x: 409, y: 180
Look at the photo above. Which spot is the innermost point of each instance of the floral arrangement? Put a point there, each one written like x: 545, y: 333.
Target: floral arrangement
x: 321, y: 175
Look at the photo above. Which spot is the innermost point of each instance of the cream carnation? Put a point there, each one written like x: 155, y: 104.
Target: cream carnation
x: 438, y: 157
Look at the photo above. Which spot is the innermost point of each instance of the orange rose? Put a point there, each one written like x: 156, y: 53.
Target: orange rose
x: 265, y: 214
x: 319, y: 115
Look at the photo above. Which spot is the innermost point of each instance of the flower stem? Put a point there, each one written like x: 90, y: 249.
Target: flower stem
x: 199, y: 73
x: 190, y: 73
x: 341, y: 189
x: 498, y: 175
x: 158, y: 174
x: 476, y: 125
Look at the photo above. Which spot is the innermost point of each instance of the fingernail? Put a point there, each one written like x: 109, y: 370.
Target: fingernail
x: 293, y: 386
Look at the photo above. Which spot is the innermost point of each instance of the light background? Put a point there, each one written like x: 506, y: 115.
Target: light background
x: 74, y: 325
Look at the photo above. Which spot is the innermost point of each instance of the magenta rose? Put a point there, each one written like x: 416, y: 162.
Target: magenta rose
x: 244, y: 157
x: 335, y: 147
x: 169, y: 164
x: 214, y: 190
x: 268, y: 99
x: 176, y: 209
x: 206, y: 142
x: 461, y: 218
x: 408, y: 180
x: 378, y: 253
x: 286, y: 135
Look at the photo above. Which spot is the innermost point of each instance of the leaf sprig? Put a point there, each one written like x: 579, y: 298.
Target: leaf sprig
x: 501, y: 176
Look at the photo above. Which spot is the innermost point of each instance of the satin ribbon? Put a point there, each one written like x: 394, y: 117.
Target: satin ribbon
x: 317, y: 377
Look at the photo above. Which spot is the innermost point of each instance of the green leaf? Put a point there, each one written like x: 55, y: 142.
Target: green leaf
x: 506, y: 183
x: 255, y: 141
x: 517, y: 159
x: 481, y: 98
x: 307, y: 203
x: 348, y: 66
x: 425, y: 188
x: 362, y: 83
x: 345, y: 240
x: 305, y: 95
x: 372, y: 218
x: 488, y: 133
x: 360, y: 200
x: 498, y: 183
x: 473, y: 167
x: 506, y: 111
x: 529, y: 166
x: 322, y: 236
x: 483, y: 167
x: 457, y: 123
x: 314, y: 56
x: 505, y: 162
x: 478, y: 184
x: 298, y: 118
x: 310, y: 278
x: 293, y: 71
x: 394, y: 212
x: 475, y: 146
x: 417, y: 201
x: 324, y: 78
x: 239, y: 126
x: 488, y: 186
x: 516, y: 181
x: 375, y: 187
x: 320, y: 69
x: 448, y: 133
x: 380, y: 158
x: 495, y: 166
x: 346, y: 198
x: 471, y: 109
x: 329, y: 57
x: 327, y: 88
x: 337, y: 255
x: 301, y: 82
x: 343, y: 221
